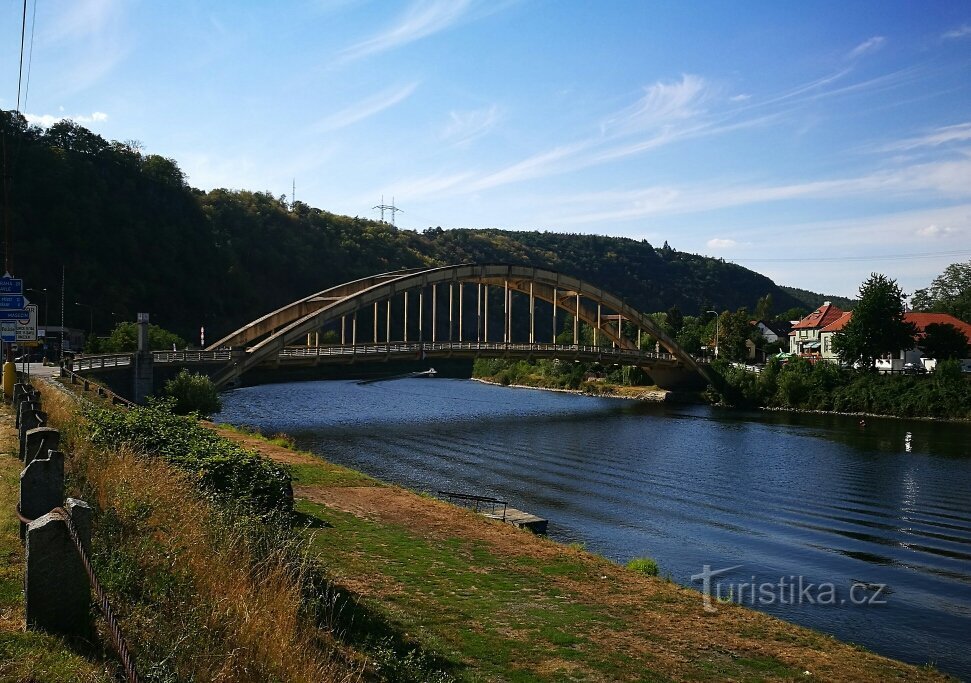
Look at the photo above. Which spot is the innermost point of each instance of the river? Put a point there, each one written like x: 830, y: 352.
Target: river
x: 862, y: 530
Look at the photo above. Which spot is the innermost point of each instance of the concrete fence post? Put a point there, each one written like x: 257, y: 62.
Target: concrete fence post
x: 38, y: 441
x: 41, y: 486
x: 57, y: 594
x: 29, y: 419
x: 28, y: 404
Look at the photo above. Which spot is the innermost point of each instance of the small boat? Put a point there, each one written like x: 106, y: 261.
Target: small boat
x: 430, y: 372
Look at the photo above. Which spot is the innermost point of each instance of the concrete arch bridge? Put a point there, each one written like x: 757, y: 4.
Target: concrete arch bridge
x: 459, y: 311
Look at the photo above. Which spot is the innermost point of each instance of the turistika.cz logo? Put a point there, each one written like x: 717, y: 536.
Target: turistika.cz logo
x: 787, y: 590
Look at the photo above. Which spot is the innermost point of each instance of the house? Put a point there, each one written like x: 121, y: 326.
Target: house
x: 804, y: 336
x: 772, y: 332
x: 914, y: 355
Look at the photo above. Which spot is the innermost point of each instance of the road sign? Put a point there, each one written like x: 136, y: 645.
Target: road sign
x: 8, y: 330
x: 12, y: 301
x: 12, y: 314
x: 11, y: 285
x: 27, y: 329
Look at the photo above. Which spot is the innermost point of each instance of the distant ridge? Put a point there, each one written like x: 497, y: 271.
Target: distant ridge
x: 812, y: 300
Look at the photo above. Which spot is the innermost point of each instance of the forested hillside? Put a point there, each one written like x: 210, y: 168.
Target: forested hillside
x: 131, y: 236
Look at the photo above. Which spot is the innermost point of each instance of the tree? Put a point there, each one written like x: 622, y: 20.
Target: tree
x: 125, y: 338
x: 734, y: 329
x: 950, y: 292
x: 193, y: 393
x: 763, y: 309
x: 877, y: 326
x: 675, y: 318
x: 944, y: 342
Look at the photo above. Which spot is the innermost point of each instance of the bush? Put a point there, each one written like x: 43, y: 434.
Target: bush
x: 219, y: 466
x: 643, y: 565
x: 193, y: 393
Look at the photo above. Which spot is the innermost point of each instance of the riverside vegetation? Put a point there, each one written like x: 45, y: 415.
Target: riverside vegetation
x: 216, y: 579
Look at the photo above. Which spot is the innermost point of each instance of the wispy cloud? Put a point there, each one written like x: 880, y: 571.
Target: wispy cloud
x: 963, y: 31
x: 867, y: 46
x: 662, y: 104
x: 960, y: 132
x: 465, y: 126
x: 364, y: 109
x: 935, y: 231
x: 720, y: 243
x: 48, y: 120
x: 91, y: 37
x: 422, y: 19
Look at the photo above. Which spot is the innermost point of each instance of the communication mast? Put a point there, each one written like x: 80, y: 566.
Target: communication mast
x: 385, y: 207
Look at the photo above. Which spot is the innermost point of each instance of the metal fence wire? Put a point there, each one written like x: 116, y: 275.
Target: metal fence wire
x: 117, y: 637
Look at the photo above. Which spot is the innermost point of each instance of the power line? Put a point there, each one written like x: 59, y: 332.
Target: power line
x: 20, y: 72
x: 835, y: 259
x: 30, y: 52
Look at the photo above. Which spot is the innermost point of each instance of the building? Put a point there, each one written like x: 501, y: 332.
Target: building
x: 804, y: 336
x: 913, y: 356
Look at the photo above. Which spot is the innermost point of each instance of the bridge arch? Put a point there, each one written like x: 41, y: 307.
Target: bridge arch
x: 272, y: 333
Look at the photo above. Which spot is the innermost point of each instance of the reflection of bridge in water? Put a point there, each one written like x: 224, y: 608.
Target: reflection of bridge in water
x: 464, y: 311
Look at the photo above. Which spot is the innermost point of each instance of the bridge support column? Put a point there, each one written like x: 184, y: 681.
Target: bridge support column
x: 532, y: 315
x: 143, y: 380
x: 576, y: 323
x: 405, y: 337
x: 461, y: 287
x: 555, y: 298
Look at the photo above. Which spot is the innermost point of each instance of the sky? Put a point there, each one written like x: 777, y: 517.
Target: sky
x: 814, y: 142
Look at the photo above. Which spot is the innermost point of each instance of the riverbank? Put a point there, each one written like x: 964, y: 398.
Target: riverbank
x: 651, y: 394
x: 488, y: 601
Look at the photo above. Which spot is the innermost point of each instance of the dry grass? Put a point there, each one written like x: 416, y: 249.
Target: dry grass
x: 198, y: 601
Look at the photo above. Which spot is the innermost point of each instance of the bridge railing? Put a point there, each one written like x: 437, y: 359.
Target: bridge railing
x: 419, y: 347
x: 190, y: 356
x: 108, y: 360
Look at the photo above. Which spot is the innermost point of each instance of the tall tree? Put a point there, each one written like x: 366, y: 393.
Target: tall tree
x: 763, y: 309
x: 877, y: 326
x: 943, y: 342
x: 950, y: 292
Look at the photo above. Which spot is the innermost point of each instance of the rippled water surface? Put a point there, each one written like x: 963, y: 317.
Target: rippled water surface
x: 819, y: 497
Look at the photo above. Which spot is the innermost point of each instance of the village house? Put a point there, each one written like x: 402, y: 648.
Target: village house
x: 804, y: 336
x: 914, y: 356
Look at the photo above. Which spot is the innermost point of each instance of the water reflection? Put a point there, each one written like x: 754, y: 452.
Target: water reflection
x: 819, y: 496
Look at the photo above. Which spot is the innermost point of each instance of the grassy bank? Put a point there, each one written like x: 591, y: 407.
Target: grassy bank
x: 490, y: 602
x: 582, y: 378
x: 370, y: 581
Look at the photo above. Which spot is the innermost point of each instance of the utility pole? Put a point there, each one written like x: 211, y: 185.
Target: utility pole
x: 385, y: 207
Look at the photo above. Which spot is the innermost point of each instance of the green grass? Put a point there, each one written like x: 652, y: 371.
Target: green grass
x: 480, y: 611
x: 325, y: 474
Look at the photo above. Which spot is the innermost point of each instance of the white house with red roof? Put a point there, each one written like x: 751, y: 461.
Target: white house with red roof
x: 804, y: 336
x: 914, y: 355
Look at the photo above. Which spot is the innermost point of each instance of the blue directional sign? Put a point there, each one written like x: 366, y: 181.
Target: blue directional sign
x: 12, y: 301
x: 11, y: 285
x: 15, y: 315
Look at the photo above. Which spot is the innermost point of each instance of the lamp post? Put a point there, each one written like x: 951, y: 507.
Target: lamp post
x: 716, y: 331
x: 90, y: 313
x: 46, y: 309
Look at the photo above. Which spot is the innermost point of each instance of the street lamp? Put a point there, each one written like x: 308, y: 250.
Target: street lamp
x: 91, y: 313
x: 46, y: 309
x: 716, y: 331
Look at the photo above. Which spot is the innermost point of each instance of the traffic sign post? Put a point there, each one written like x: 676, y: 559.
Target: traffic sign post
x: 11, y: 285
x: 27, y: 329
x: 12, y: 301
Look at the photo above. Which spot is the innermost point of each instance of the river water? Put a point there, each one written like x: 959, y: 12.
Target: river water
x: 858, y: 530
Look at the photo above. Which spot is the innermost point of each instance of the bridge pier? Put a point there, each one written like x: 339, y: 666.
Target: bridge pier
x: 143, y: 375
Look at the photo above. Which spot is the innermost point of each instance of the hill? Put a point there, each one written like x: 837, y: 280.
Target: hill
x: 812, y: 300
x: 131, y: 235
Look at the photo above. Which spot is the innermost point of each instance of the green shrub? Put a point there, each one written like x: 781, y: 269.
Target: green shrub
x: 219, y: 466
x: 643, y: 565
x: 193, y: 393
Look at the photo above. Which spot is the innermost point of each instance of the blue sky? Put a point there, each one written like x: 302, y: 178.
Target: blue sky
x: 814, y: 142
